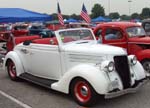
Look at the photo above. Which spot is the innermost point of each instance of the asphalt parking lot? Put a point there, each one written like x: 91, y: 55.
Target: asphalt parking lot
x: 26, y: 95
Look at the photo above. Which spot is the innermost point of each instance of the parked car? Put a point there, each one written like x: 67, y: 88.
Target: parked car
x: 130, y: 36
x: 46, y: 33
x: 146, y: 26
x: 4, y: 33
x: 36, y: 29
x: 74, y: 63
x: 53, y: 25
x: 20, y: 29
x: 41, y: 31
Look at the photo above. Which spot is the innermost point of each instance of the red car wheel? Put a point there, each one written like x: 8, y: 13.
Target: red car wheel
x: 83, y: 93
x: 11, y: 68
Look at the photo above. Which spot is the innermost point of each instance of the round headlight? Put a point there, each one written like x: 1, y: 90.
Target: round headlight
x: 110, y: 67
x: 133, y: 60
x: 107, y: 66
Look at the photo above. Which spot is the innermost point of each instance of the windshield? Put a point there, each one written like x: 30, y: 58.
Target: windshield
x: 76, y: 35
x: 135, y: 31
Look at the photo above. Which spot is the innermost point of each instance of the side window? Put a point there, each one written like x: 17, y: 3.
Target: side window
x: 98, y: 33
x: 113, y: 34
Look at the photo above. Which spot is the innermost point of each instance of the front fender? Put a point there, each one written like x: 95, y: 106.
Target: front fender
x: 144, y: 54
x: 138, y: 71
x: 15, y: 58
x: 98, y: 79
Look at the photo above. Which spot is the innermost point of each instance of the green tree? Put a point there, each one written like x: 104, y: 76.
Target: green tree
x: 66, y: 16
x: 97, y: 11
x: 114, y: 15
x: 125, y: 17
x: 54, y: 15
x: 135, y: 16
x: 77, y: 17
x: 145, y: 13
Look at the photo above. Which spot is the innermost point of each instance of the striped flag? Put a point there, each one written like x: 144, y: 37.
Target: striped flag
x: 85, y: 15
x: 61, y: 21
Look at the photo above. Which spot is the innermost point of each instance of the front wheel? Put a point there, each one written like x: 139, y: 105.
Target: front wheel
x: 11, y: 68
x: 83, y: 93
x: 146, y: 65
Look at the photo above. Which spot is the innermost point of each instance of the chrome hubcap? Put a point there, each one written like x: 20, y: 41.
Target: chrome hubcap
x: 14, y: 69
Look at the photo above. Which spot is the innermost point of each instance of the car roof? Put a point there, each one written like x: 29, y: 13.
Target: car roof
x: 122, y: 25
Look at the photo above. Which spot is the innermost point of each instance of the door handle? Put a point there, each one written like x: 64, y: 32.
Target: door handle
x: 24, y: 50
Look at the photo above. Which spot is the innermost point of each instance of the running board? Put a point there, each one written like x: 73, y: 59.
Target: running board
x: 37, y: 80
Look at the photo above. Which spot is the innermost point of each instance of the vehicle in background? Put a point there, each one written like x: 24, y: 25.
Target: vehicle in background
x: 53, y: 25
x: 36, y: 29
x: 130, y: 36
x: 41, y: 30
x: 74, y: 63
x: 46, y: 33
x: 4, y: 33
x: 146, y: 26
x: 78, y: 25
x: 20, y: 29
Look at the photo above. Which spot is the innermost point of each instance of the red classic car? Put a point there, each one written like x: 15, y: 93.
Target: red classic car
x: 4, y: 32
x: 146, y: 26
x: 130, y: 36
x: 19, y: 30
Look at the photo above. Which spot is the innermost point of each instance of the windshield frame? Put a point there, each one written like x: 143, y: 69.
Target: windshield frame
x: 59, y: 38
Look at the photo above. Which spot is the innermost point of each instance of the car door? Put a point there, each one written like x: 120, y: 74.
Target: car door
x: 45, y: 61
x: 25, y: 55
x: 114, y: 36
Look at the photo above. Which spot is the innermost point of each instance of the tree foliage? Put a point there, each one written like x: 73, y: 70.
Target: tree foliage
x: 135, y: 16
x: 145, y: 13
x: 77, y: 17
x: 125, y: 17
x: 97, y: 11
x: 114, y: 15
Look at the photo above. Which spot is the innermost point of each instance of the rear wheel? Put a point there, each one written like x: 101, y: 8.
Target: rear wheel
x: 146, y: 65
x: 83, y: 93
x: 11, y: 68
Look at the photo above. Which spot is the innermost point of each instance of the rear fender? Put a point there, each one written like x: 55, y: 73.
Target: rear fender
x: 15, y: 58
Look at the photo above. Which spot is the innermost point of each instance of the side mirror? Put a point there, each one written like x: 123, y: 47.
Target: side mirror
x: 27, y: 42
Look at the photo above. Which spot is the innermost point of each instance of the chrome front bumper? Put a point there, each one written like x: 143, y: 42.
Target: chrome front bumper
x: 126, y: 91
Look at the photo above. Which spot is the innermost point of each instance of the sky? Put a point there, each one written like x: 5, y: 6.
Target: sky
x: 69, y: 7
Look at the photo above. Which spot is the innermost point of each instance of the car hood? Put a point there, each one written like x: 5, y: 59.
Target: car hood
x: 140, y: 40
x: 93, y: 48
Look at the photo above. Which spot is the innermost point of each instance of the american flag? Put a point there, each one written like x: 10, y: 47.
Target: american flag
x: 85, y: 15
x: 61, y: 21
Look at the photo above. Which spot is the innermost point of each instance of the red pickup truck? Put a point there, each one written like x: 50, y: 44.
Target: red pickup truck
x: 130, y: 36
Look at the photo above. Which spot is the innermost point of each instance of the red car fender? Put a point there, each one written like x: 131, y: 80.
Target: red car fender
x: 143, y: 54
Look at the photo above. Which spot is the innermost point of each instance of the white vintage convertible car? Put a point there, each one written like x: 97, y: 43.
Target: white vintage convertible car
x: 73, y: 63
